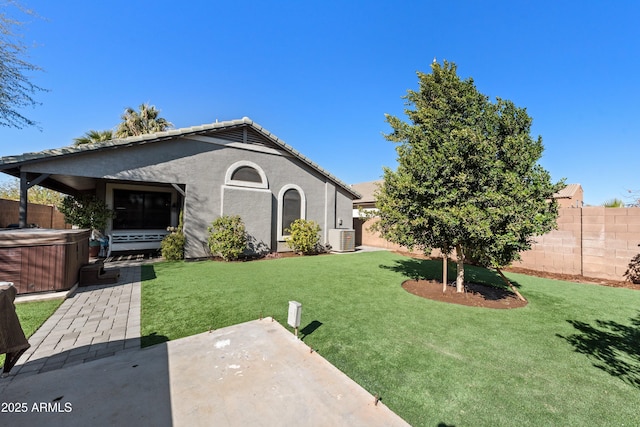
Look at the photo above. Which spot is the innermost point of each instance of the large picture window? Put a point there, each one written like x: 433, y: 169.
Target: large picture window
x: 137, y: 209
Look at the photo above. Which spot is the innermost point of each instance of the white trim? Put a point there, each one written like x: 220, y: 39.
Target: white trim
x: 237, y: 183
x: 303, y: 206
x: 326, y: 213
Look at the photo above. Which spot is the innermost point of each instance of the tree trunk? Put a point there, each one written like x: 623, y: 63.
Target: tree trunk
x: 460, y: 276
x: 513, y: 288
x: 444, y: 272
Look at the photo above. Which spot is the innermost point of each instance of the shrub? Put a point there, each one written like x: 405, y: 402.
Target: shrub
x: 633, y: 271
x: 303, y: 236
x: 85, y: 211
x: 227, y: 237
x: 172, y: 246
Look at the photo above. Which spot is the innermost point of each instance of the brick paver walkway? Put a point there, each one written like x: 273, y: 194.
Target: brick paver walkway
x: 97, y: 321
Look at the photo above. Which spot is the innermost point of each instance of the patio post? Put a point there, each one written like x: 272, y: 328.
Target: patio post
x: 24, y: 187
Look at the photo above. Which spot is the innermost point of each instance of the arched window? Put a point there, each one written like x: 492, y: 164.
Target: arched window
x: 291, y: 203
x: 246, y: 174
x: 291, y: 206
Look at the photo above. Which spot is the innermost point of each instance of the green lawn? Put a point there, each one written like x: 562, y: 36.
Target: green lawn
x: 571, y: 357
x: 32, y: 315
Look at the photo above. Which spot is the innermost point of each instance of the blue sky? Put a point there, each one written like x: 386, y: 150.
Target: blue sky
x: 321, y: 74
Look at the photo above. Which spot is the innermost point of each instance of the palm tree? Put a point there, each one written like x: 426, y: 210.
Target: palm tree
x: 141, y: 122
x: 94, y: 136
x: 613, y: 203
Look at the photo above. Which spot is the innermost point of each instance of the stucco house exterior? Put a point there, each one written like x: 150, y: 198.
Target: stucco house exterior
x: 571, y: 196
x: 225, y: 168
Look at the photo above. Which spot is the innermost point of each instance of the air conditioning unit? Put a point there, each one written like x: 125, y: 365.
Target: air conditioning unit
x: 342, y: 240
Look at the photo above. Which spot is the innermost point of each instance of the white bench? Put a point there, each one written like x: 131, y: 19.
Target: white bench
x: 135, y: 240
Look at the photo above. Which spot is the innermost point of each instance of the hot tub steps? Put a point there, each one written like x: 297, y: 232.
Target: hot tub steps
x: 95, y: 274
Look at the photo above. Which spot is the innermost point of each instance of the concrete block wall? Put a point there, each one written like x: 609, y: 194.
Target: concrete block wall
x: 593, y: 242
x: 559, y: 251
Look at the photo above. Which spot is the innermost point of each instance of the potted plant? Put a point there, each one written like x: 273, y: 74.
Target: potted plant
x: 87, y: 211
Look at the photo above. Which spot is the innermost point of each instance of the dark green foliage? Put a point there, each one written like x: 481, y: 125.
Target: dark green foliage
x: 86, y: 211
x: 172, y: 246
x: 468, y: 174
x: 227, y: 237
x: 303, y: 236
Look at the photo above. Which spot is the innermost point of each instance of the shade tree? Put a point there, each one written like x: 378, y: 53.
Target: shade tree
x: 468, y: 177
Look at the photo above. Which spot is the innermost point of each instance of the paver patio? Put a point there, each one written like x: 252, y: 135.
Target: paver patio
x: 95, y: 322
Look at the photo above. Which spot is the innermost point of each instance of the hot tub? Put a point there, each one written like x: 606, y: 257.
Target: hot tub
x: 42, y: 260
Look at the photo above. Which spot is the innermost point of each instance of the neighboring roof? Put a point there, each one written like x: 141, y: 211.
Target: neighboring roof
x: 567, y: 192
x: 9, y: 162
x: 367, y: 191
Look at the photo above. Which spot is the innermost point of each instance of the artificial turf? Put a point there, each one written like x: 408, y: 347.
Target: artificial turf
x: 571, y: 357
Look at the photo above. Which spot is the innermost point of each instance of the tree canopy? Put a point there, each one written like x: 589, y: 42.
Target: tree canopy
x: 468, y: 176
x: 10, y: 190
x: 93, y: 136
x: 16, y: 90
x: 141, y: 122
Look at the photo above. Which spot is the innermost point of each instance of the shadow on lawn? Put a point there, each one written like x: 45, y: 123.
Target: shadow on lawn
x: 428, y: 269
x: 309, y: 329
x: 152, y: 339
x: 614, y: 347
x: 147, y: 272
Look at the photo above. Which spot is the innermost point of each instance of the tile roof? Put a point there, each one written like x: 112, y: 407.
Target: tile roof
x: 367, y: 191
x: 12, y: 161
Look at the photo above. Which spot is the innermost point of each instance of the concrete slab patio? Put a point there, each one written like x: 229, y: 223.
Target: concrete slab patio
x: 256, y: 373
x: 85, y: 367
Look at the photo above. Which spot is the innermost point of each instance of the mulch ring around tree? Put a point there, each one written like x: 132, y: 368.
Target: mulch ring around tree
x: 475, y: 295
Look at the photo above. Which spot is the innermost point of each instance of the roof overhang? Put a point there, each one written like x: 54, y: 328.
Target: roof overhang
x: 13, y: 165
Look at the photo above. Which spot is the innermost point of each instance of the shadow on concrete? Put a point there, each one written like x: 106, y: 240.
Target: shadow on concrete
x: 612, y: 346
x: 131, y: 388
x: 77, y: 355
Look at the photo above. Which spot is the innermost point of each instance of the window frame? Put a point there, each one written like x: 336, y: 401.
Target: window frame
x: 238, y: 183
x: 303, y: 207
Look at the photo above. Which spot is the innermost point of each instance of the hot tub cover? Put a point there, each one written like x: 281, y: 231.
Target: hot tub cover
x: 12, y: 238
